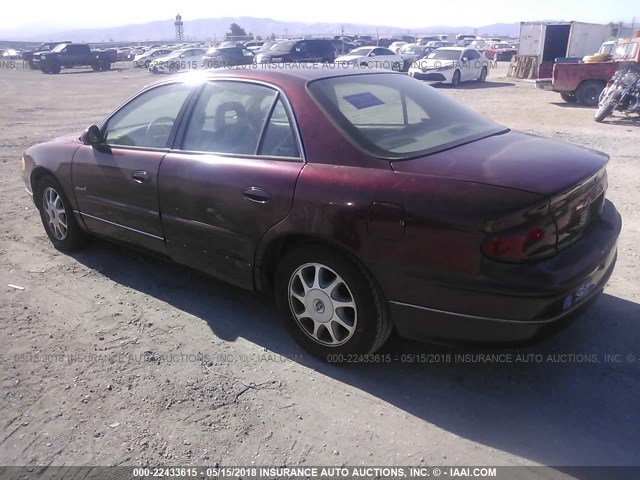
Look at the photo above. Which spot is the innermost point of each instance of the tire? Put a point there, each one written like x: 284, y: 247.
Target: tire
x: 105, y: 66
x: 147, y: 63
x: 328, y: 332
x: 55, y: 211
x: 44, y: 69
x: 569, y: 97
x: 483, y: 75
x: 588, y: 92
x: 54, y: 68
x: 396, y: 67
x: 607, y: 108
x: 455, y: 80
x: 95, y: 67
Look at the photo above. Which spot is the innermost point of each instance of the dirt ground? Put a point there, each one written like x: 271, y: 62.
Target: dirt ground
x: 110, y: 357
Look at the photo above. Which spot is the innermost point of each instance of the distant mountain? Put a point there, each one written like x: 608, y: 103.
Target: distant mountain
x: 215, y: 28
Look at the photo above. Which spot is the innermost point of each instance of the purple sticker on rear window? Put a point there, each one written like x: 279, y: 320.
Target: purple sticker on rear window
x: 363, y: 100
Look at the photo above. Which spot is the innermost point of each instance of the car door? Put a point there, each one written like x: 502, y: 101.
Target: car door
x: 301, y: 52
x: 467, y: 70
x: 116, y: 184
x: 231, y: 178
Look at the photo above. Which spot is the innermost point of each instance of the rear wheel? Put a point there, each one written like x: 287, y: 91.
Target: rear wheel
x: 588, y: 93
x: 57, y: 216
x: 330, y: 304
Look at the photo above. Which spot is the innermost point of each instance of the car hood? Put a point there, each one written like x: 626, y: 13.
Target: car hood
x: 433, y: 63
x: 513, y: 160
x: 348, y: 58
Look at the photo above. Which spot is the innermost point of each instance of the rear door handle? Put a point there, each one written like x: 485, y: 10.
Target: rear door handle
x: 140, y: 176
x: 257, y: 194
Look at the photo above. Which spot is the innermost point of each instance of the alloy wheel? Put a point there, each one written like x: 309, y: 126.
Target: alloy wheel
x: 322, y: 304
x: 56, y: 213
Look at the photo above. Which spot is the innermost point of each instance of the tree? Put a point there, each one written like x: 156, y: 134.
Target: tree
x: 236, y: 31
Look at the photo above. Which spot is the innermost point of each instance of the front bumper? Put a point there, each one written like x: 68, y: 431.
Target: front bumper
x: 435, y: 76
x: 520, y: 313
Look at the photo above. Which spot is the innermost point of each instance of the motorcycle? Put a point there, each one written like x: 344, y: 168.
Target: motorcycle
x: 621, y: 93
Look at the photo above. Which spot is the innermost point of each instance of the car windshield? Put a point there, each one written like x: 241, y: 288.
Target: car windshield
x: 362, y: 51
x: 396, y: 117
x: 59, y: 48
x: 502, y: 45
x: 443, y: 54
x: 626, y: 50
x: 283, y: 46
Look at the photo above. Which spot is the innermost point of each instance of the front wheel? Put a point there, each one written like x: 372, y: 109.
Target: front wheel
x: 330, y: 304
x: 455, y: 80
x: 607, y: 107
x: 396, y: 67
x: 54, y: 68
x: 483, y: 75
x: 57, y: 216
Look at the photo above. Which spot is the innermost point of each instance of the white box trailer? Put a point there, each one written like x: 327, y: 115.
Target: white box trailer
x: 550, y: 40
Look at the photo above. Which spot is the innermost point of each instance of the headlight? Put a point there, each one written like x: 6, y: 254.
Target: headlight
x: 629, y: 79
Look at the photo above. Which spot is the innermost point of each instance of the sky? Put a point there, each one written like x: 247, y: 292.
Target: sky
x: 65, y: 14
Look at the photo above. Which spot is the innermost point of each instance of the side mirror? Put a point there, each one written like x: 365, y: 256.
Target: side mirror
x: 92, y: 136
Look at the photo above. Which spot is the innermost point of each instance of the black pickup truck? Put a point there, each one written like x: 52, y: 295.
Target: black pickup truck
x: 45, y: 47
x: 73, y: 55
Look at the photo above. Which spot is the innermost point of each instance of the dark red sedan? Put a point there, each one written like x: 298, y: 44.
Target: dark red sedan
x: 363, y: 201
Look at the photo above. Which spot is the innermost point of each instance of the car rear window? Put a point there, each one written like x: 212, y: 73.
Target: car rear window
x: 396, y: 117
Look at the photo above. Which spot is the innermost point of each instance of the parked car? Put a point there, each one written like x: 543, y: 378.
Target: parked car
x: 500, y: 51
x: 412, y: 52
x: 227, y: 57
x: 10, y: 54
x: 309, y: 50
x: 427, y: 39
x: 183, y: 59
x: 254, y: 45
x: 397, y: 46
x: 465, y: 40
x: 362, y: 202
x: 372, y: 57
x: 452, y: 65
x: 28, y: 55
x: 144, y: 59
x: 342, y: 47
x: 69, y: 55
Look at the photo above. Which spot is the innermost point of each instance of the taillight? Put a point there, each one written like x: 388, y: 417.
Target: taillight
x: 528, y: 242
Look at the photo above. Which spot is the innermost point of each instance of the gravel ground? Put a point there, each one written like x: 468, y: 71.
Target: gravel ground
x: 110, y: 357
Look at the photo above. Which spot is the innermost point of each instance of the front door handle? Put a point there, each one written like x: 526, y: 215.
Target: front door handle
x: 140, y: 176
x: 257, y: 194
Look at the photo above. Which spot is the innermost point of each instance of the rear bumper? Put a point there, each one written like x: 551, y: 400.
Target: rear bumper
x: 516, y: 315
x: 544, y: 84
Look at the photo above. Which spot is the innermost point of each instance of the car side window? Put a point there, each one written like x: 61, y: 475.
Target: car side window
x: 278, y: 139
x: 228, y: 117
x: 382, y: 51
x: 472, y: 55
x: 147, y: 120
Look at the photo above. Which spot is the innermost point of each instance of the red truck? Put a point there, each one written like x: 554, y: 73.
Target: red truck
x: 583, y: 82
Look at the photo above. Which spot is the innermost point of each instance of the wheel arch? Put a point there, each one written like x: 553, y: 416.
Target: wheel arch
x: 268, y: 257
